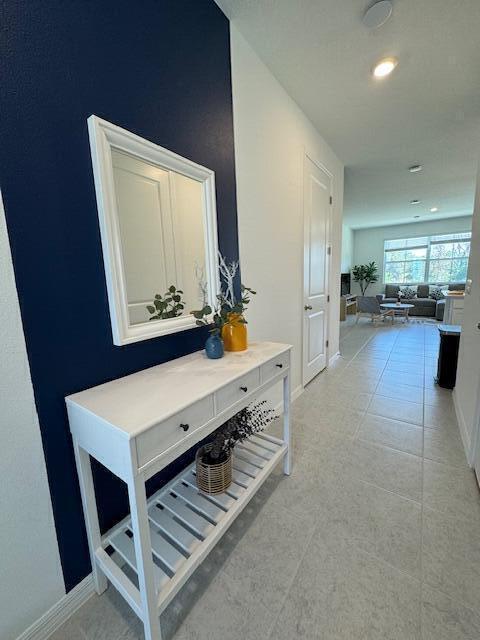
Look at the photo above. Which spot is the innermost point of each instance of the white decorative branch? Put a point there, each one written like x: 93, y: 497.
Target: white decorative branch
x: 228, y: 273
x: 202, y: 283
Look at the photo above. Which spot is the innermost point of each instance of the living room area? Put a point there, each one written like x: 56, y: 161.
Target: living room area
x: 414, y: 270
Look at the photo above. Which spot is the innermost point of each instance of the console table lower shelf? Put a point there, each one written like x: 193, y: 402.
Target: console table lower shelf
x: 186, y: 523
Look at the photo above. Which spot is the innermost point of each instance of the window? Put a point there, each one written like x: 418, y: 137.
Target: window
x: 434, y: 259
x: 406, y: 260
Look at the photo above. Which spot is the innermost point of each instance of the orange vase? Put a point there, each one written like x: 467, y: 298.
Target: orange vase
x: 234, y: 333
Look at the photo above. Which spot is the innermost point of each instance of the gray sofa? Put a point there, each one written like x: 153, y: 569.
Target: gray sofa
x: 423, y: 305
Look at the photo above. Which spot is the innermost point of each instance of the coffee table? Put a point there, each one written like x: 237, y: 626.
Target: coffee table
x: 401, y: 309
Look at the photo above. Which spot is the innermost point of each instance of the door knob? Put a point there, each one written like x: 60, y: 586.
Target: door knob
x: 244, y: 389
x: 185, y: 427
x: 307, y: 307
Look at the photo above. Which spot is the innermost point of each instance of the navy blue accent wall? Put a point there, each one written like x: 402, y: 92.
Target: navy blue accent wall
x: 159, y: 68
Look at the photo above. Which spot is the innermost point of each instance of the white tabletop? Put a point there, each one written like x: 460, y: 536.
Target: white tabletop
x: 394, y: 305
x: 138, y: 401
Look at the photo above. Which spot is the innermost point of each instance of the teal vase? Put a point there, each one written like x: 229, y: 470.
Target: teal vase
x: 214, y: 347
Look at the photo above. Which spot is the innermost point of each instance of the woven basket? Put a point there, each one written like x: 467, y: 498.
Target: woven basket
x: 213, y: 478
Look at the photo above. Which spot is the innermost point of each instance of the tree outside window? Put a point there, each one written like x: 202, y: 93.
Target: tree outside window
x: 433, y: 259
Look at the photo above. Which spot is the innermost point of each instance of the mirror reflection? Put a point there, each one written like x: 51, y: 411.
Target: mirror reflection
x: 162, y: 230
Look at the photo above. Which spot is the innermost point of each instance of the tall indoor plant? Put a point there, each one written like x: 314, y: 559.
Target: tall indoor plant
x: 365, y: 275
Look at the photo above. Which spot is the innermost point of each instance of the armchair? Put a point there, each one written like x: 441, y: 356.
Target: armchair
x: 370, y: 305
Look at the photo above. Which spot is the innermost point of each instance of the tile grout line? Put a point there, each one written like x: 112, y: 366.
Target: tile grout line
x: 422, y: 496
x: 290, y: 584
x: 420, y: 603
x: 381, y: 445
x: 376, y: 387
x: 385, y: 562
x: 355, y: 435
x: 426, y: 363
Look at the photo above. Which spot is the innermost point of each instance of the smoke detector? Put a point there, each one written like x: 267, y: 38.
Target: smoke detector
x: 378, y: 14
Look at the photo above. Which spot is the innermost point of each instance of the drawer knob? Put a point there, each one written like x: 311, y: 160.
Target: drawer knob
x: 280, y: 366
x: 244, y: 389
x: 185, y: 427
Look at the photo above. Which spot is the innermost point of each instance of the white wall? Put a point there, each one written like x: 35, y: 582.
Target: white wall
x: 30, y: 573
x: 271, y: 136
x: 467, y: 387
x: 368, y: 243
x: 347, y: 249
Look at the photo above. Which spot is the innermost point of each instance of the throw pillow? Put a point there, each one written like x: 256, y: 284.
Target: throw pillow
x: 408, y: 293
x: 437, y: 293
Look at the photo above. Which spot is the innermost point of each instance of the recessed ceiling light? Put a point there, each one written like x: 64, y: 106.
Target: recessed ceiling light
x: 415, y: 168
x: 415, y: 201
x: 378, y: 14
x: 434, y: 209
x: 384, y: 67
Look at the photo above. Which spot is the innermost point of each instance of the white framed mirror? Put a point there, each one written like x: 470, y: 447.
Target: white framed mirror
x: 158, y: 225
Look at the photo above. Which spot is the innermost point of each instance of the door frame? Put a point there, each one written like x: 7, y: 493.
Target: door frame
x: 310, y: 156
x: 471, y: 453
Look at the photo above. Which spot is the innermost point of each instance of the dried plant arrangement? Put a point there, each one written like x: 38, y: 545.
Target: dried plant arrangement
x: 214, y: 460
x: 245, y: 423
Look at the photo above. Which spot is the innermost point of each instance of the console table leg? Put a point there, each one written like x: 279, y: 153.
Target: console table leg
x: 87, y: 490
x: 143, y: 554
x: 287, y: 461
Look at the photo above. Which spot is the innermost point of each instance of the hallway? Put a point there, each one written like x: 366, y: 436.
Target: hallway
x: 375, y: 534
x: 396, y: 506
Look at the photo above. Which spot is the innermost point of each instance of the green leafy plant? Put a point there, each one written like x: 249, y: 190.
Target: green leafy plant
x: 365, y: 275
x: 170, y: 305
x: 241, y: 306
x: 219, y: 318
x: 226, y: 302
x: 242, y: 425
x: 222, y: 311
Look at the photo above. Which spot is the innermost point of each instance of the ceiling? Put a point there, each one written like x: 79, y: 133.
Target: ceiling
x: 427, y: 112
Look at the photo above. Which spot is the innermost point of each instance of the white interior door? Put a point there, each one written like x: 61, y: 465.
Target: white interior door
x: 317, y: 206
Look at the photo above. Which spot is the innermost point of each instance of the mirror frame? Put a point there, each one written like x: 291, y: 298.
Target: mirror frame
x: 103, y: 137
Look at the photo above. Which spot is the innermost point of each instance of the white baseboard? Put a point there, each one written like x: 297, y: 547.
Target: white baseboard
x: 333, y: 358
x: 61, y: 611
x: 296, y: 393
x: 467, y: 443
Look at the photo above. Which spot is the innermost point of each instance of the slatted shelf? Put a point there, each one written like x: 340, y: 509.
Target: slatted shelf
x: 246, y: 470
x: 165, y: 551
x: 122, y: 542
x: 185, y: 522
x: 264, y: 441
x: 186, y: 516
x: 250, y: 457
x: 175, y: 531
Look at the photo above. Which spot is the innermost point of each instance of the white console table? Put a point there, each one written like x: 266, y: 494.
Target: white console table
x: 137, y: 425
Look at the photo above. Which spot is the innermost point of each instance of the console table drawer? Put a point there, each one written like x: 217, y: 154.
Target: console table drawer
x: 235, y: 391
x: 166, y: 434
x: 271, y: 368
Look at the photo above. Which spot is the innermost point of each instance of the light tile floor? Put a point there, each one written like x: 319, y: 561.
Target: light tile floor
x: 375, y: 535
